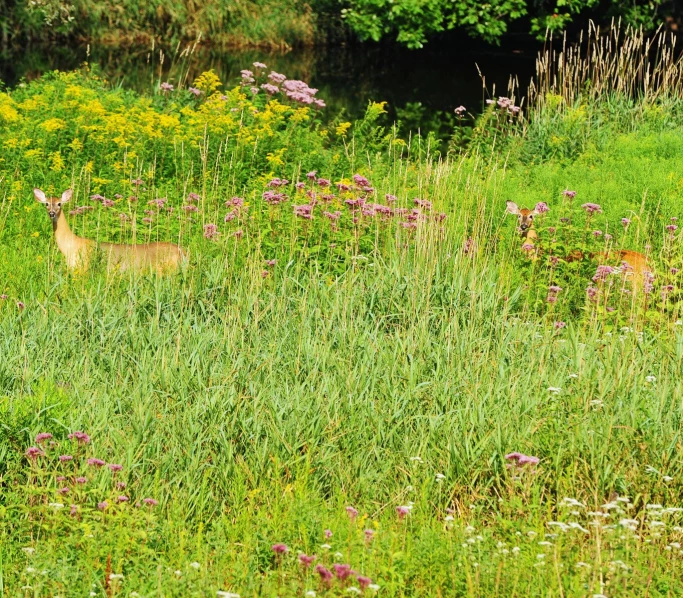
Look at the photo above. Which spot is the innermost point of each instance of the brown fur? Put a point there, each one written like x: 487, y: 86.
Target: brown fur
x: 78, y: 251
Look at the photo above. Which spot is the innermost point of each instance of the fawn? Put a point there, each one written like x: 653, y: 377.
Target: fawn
x: 634, y: 264
x: 78, y: 251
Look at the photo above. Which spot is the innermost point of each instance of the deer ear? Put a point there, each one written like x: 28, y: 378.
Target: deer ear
x: 66, y: 196
x: 512, y: 207
x: 39, y: 195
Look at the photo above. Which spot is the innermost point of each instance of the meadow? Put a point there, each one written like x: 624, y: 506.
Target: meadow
x: 360, y: 383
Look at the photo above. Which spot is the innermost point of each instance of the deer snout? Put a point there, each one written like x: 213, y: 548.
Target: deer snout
x: 524, y: 226
x: 52, y: 213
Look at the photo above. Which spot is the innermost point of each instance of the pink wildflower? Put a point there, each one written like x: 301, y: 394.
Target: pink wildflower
x: 150, y: 501
x: 63, y: 491
x: 327, y: 533
x: 304, y: 211
x: 210, y: 231
x: 325, y: 574
x: 165, y: 86
x: 592, y: 208
x: 280, y: 548
x: 521, y: 459
x: 542, y: 207
x: 351, y: 512
x: 306, y: 560
x: 42, y: 437
x: 363, y: 581
x: 34, y: 452
x: 602, y: 272
x: 81, y: 480
x: 569, y: 194
x: 625, y: 222
x: 274, y: 198
x: 123, y: 498
x: 276, y: 77
x: 96, y: 462
x: 115, y: 467
x: 342, y: 571
x: 403, y: 510
x: 270, y: 89
x: 102, y: 505
x: 65, y: 458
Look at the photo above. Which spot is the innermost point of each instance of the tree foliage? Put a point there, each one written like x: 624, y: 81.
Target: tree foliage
x: 413, y: 22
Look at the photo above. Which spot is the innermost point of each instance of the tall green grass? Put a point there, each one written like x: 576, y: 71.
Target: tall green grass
x: 396, y: 369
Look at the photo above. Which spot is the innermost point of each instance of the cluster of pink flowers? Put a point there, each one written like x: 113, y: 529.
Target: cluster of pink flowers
x: 80, y: 210
x: 81, y: 439
x: 237, y: 207
x: 505, y: 104
x: 359, y: 204
x: 592, y: 208
x: 295, y: 90
x: 553, y: 291
x: 602, y: 272
x: 520, y: 459
x: 211, y: 231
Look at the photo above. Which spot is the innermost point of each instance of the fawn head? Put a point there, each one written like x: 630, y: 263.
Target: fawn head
x: 525, y: 216
x: 53, y: 204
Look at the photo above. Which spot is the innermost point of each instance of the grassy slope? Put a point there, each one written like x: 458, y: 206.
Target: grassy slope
x: 251, y: 23
x: 256, y: 409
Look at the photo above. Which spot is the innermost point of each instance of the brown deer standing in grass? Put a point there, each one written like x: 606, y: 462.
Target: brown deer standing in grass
x: 78, y: 251
x: 635, y: 265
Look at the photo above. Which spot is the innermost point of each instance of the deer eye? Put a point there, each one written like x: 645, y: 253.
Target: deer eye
x: 530, y: 217
x: 59, y: 205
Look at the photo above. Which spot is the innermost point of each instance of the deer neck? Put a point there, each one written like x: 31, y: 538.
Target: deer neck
x: 529, y: 236
x: 69, y: 243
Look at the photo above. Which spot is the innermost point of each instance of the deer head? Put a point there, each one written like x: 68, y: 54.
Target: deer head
x: 53, y: 204
x: 525, y: 216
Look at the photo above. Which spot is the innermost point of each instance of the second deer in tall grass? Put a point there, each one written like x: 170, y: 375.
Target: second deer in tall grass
x: 635, y: 265
x: 78, y: 251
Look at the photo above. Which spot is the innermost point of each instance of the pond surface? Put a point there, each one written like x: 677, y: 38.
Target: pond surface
x: 422, y: 87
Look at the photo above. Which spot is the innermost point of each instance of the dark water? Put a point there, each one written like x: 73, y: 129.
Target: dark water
x: 422, y: 87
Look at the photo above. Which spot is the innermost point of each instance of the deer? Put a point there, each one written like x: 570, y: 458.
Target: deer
x: 634, y: 264
x: 78, y: 250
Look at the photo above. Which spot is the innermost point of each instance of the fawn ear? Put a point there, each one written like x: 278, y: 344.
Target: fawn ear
x: 66, y: 196
x: 512, y: 207
x: 39, y: 195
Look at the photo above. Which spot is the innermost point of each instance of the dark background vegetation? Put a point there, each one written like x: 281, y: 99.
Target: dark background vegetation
x: 287, y: 23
